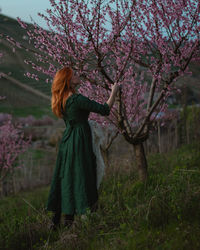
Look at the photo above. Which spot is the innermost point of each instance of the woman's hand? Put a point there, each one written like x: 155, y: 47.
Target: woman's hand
x: 115, y: 87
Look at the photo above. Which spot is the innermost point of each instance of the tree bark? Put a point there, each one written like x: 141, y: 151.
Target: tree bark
x: 105, y: 154
x: 176, y: 132
x: 159, y: 137
x: 141, y: 161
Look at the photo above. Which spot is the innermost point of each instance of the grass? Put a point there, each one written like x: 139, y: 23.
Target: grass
x: 21, y: 223
x: 161, y: 214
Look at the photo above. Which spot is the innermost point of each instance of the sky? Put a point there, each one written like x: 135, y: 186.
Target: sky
x: 24, y: 9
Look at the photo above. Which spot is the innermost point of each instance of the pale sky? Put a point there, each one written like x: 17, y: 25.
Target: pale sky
x: 24, y: 9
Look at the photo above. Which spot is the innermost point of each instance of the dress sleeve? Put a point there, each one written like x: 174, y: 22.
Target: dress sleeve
x: 85, y: 103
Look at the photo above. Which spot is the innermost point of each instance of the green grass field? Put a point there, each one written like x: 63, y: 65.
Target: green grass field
x: 161, y: 214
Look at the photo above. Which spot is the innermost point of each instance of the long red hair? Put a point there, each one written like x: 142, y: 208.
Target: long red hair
x: 60, y: 90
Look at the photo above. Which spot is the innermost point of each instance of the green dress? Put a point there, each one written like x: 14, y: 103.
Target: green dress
x: 73, y: 187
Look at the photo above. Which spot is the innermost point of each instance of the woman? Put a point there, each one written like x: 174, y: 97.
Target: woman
x: 73, y: 187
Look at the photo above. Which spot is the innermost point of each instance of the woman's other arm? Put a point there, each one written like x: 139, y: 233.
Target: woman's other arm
x: 113, y: 94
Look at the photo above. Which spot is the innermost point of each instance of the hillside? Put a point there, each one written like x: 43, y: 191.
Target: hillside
x: 19, y: 101
x: 13, y: 62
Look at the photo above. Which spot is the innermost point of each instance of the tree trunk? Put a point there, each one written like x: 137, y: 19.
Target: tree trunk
x: 105, y: 155
x: 176, y: 132
x: 159, y: 137
x: 141, y: 161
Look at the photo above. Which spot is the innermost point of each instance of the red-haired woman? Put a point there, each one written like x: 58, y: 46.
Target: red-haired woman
x: 73, y: 187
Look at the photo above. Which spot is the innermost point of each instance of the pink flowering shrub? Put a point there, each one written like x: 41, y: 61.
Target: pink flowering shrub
x: 12, y: 143
x: 32, y: 121
x: 2, y: 98
x: 26, y: 121
x: 4, y: 117
x: 44, y: 121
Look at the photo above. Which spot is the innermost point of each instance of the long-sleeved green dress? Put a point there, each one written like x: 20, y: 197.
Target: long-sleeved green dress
x: 73, y: 187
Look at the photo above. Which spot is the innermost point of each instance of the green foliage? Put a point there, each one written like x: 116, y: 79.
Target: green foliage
x: 162, y: 213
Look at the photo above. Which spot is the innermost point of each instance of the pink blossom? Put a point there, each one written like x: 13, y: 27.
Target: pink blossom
x: 143, y: 45
x: 12, y: 143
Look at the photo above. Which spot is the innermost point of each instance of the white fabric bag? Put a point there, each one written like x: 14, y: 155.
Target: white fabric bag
x: 100, y: 138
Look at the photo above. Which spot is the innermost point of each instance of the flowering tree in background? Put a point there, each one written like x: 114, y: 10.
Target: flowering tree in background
x: 12, y: 143
x: 144, y: 45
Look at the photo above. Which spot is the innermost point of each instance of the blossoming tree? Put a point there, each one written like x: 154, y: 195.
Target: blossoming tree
x: 144, y: 45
